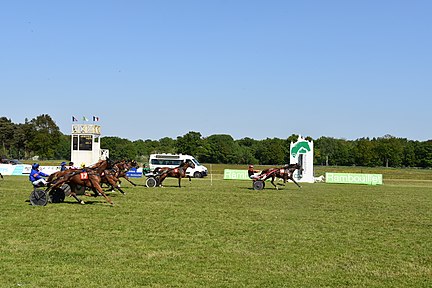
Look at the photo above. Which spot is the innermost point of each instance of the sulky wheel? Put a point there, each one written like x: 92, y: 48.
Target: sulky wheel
x: 258, y: 185
x: 151, y: 182
x: 38, y: 197
x: 66, y: 189
x: 57, y: 196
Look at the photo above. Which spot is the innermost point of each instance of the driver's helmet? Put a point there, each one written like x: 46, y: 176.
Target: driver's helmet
x: 35, y: 166
x: 63, y: 163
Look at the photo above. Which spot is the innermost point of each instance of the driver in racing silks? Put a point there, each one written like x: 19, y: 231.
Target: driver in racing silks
x: 253, y: 174
x: 36, y: 176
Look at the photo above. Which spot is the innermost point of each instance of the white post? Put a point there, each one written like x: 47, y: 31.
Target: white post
x: 211, y: 175
x: 301, y: 152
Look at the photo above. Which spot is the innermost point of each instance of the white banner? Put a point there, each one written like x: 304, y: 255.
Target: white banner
x: 9, y: 169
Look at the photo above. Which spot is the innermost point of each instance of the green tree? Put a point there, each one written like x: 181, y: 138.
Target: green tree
x: 190, y: 143
x: 22, y: 137
x: 221, y: 148
x: 409, y: 154
x: 334, y: 151
x: 119, y: 148
x: 247, y: 151
x: 272, y: 151
x: 168, y: 145
x: 364, y: 152
x: 327, y: 149
x: 63, y: 150
x: 7, y: 129
x: 46, y: 136
x: 390, y: 150
x: 424, y: 154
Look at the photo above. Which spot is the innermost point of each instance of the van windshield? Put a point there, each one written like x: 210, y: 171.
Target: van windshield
x: 196, y: 162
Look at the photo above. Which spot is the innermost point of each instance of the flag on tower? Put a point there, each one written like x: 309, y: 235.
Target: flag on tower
x: 95, y: 119
x: 74, y: 119
x: 85, y: 118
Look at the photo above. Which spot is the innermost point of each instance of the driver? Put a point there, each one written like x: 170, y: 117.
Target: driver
x: 253, y: 174
x: 36, y: 176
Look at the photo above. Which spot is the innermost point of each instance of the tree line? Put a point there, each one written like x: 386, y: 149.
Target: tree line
x: 42, y: 137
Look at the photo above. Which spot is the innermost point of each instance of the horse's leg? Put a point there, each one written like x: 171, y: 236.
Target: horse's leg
x: 73, y: 194
x: 284, y: 178
x: 113, y: 183
x: 179, y: 181
x: 295, y: 182
x: 95, y: 185
x: 119, y: 189
x: 161, y: 179
x: 127, y: 179
x: 272, y: 182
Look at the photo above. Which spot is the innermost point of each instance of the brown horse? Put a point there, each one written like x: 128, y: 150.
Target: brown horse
x: 112, y: 176
x: 286, y: 173
x: 178, y: 172
x: 123, y: 167
x: 87, y: 177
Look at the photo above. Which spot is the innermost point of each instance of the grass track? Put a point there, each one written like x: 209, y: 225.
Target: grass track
x: 221, y: 234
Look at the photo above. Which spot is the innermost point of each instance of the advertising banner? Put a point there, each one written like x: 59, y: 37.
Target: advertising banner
x: 354, y: 178
x: 231, y: 174
x: 134, y: 173
x: 24, y: 169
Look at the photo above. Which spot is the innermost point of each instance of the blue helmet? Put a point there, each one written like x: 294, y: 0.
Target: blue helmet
x: 35, y: 166
x: 63, y: 163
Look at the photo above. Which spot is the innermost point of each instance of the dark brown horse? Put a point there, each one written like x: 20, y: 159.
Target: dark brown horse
x: 286, y: 173
x: 178, y: 172
x: 87, y: 177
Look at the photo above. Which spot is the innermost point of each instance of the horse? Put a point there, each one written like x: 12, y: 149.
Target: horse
x: 286, y: 173
x: 178, y: 172
x: 111, y: 176
x: 123, y: 167
x: 88, y: 177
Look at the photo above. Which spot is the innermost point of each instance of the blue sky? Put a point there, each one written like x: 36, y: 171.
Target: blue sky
x: 259, y: 69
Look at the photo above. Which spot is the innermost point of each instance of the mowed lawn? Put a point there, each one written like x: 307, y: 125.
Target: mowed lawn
x: 221, y: 233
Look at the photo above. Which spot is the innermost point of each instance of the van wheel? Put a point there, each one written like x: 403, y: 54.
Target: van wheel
x: 198, y: 175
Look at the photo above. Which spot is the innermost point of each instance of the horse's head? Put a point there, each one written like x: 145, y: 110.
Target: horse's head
x: 109, y: 162
x: 297, y: 166
x: 103, y: 165
x: 188, y: 163
x: 133, y: 163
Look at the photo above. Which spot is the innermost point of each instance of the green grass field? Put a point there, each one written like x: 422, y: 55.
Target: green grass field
x: 221, y: 233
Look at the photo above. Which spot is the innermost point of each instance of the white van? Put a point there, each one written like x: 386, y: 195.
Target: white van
x: 174, y: 160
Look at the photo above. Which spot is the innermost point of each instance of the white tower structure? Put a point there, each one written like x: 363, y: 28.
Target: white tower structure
x: 301, y: 152
x: 85, y: 145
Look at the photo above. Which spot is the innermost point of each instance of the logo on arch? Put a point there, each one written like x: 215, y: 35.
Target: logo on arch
x: 300, y: 148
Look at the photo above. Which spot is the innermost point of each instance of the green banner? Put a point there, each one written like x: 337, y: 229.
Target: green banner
x: 231, y: 174
x: 354, y: 178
